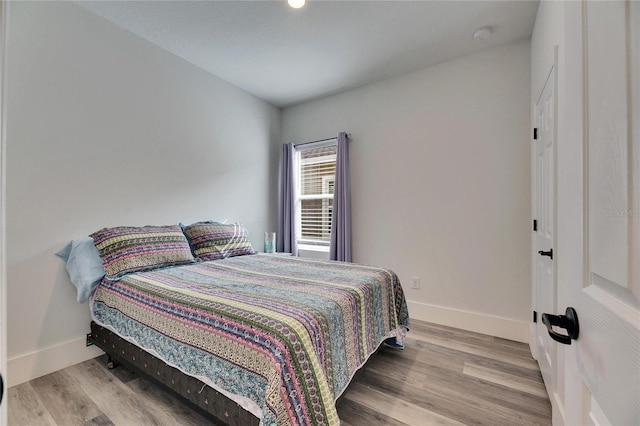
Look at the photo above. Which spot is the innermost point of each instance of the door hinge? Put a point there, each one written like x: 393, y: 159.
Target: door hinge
x: 535, y: 133
x: 535, y: 316
x: 535, y: 225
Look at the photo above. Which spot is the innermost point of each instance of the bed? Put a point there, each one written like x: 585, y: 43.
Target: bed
x: 250, y: 338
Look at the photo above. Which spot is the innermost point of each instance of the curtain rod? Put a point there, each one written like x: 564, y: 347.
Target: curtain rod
x: 320, y: 140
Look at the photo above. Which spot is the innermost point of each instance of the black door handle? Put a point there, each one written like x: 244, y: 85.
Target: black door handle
x: 568, y: 321
x: 1, y: 387
x: 546, y: 253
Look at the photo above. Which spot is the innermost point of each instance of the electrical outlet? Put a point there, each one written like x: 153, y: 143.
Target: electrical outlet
x: 415, y: 283
x: 89, y: 340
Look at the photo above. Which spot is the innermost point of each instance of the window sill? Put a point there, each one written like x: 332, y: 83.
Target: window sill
x: 310, y: 247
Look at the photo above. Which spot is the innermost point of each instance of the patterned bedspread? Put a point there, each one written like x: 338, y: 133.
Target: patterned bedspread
x: 281, y: 335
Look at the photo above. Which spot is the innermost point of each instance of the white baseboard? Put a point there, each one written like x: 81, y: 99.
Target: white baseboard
x: 472, y: 321
x: 32, y: 365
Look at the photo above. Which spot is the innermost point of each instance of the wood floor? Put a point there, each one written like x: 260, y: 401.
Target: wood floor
x: 444, y: 376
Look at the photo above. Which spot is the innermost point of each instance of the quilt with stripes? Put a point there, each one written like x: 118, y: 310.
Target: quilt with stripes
x: 280, y: 335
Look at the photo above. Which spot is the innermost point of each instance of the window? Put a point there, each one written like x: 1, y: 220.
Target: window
x: 316, y: 171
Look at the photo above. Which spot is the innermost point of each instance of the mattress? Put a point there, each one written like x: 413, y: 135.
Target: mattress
x: 280, y: 335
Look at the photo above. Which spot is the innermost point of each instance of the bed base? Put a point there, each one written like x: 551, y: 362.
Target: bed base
x: 216, y: 406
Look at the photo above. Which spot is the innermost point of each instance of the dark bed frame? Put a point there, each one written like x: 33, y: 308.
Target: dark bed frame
x: 214, y: 405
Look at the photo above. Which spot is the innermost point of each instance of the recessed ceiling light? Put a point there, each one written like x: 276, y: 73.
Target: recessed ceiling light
x: 296, y: 4
x: 482, y: 33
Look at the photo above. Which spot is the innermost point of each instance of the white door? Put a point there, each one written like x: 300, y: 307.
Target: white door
x: 603, y: 103
x: 544, y: 224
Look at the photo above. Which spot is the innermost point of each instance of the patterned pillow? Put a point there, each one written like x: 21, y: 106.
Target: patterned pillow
x: 132, y: 249
x: 212, y: 240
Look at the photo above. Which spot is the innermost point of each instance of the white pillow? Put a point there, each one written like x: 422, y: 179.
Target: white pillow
x: 84, y: 266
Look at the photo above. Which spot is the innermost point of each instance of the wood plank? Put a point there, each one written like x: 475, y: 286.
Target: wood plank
x: 423, y: 375
x: 345, y: 423
x: 449, y: 394
x: 505, y: 346
x: 470, y: 348
x: 101, y: 420
x: 509, y: 346
x: 505, y: 379
x: 353, y: 413
x: 426, y: 398
x: 67, y: 403
x: 436, y: 355
x: 397, y: 408
x: 426, y: 353
x: 115, y: 399
x: 26, y: 408
x: 165, y: 405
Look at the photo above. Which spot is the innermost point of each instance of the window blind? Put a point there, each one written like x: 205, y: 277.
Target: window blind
x: 317, y: 170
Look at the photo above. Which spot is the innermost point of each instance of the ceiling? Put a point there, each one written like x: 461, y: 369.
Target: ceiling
x: 287, y: 56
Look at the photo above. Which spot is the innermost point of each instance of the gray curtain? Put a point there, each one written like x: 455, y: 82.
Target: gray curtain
x: 286, y: 238
x: 340, y: 248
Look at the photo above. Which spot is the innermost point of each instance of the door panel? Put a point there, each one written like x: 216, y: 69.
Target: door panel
x: 607, y: 141
x: 603, y: 364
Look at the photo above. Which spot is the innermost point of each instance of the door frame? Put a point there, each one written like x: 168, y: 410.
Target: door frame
x: 3, y: 269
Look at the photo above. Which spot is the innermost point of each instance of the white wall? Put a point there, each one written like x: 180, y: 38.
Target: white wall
x: 441, y: 185
x: 106, y: 129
